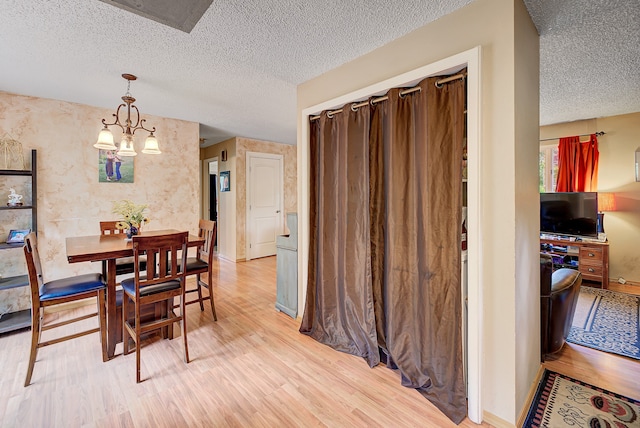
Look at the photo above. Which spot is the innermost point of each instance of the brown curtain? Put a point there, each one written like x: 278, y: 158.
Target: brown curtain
x: 398, y: 292
x: 578, y: 165
x: 339, y: 310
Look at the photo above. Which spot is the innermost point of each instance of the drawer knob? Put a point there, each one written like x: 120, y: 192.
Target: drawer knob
x: 591, y: 270
x: 591, y: 255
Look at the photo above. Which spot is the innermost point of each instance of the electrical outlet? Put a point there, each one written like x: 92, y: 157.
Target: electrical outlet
x: 621, y: 280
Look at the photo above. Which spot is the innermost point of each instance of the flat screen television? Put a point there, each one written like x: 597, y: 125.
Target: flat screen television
x: 569, y: 213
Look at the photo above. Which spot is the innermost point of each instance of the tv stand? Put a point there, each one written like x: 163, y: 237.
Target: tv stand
x: 591, y: 259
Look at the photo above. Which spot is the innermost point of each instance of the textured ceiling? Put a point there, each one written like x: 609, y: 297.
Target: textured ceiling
x: 236, y: 72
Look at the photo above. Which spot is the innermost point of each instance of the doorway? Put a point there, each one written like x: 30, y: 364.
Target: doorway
x: 265, y: 200
x: 210, y: 190
x: 474, y: 260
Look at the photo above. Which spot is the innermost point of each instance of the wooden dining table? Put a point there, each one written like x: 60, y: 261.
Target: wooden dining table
x: 108, y: 248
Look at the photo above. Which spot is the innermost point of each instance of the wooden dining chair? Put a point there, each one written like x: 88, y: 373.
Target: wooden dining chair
x: 124, y: 265
x: 47, y: 294
x: 161, y: 280
x: 203, y: 263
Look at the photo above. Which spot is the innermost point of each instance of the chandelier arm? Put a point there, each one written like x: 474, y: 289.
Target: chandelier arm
x: 139, y: 124
x: 116, y: 121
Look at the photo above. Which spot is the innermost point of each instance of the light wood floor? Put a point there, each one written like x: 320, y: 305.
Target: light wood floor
x: 251, y: 368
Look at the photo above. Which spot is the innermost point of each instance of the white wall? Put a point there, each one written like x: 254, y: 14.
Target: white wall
x: 527, y: 228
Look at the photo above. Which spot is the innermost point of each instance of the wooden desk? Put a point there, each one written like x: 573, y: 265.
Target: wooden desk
x: 592, y: 257
x: 108, y: 248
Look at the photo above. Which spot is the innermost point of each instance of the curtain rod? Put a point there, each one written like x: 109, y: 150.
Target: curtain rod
x: 599, y: 134
x: 438, y: 84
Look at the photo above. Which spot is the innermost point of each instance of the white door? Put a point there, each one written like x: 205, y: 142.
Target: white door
x: 265, y: 198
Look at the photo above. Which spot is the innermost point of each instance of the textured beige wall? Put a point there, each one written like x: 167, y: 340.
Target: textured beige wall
x: 71, y: 202
x: 616, y: 173
x: 505, y: 218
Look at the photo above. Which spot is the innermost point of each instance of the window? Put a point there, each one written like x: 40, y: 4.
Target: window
x: 548, y: 168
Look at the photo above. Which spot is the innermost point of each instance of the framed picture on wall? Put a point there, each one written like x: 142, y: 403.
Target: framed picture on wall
x: 17, y: 236
x: 113, y: 168
x: 225, y: 181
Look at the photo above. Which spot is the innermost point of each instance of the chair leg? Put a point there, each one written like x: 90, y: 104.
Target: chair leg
x: 102, y: 314
x: 35, y: 339
x: 137, y: 330
x: 170, y: 305
x: 125, y: 332
x: 199, y: 292
x: 183, y: 314
x: 210, y: 287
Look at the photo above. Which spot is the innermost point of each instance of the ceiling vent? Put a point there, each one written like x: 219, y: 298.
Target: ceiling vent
x: 182, y: 15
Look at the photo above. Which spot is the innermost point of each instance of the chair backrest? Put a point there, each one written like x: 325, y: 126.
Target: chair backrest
x: 207, y: 229
x: 163, y: 253
x: 109, y: 228
x: 34, y: 267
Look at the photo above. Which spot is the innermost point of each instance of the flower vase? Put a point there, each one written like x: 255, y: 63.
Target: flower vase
x: 132, y: 231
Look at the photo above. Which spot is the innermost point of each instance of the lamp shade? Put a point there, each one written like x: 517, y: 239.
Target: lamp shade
x: 606, y: 202
x: 105, y: 140
x: 151, y: 145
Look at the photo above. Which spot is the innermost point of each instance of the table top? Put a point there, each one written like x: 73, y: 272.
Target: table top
x: 104, y: 247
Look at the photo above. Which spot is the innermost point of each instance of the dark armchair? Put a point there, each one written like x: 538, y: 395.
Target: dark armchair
x: 559, y: 292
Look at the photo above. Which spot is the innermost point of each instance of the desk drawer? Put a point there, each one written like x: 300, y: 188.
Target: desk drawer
x: 588, y: 254
x: 591, y: 271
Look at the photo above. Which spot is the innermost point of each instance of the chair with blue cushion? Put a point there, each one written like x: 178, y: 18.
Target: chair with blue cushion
x: 161, y: 280
x: 47, y: 294
x: 202, y: 263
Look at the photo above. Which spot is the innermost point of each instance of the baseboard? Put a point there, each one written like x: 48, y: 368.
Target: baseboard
x: 221, y: 256
x: 532, y: 392
x: 631, y: 283
x: 495, y: 421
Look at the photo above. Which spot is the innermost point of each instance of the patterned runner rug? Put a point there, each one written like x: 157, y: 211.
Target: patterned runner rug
x: 564, y: 402
x: 607, y: 321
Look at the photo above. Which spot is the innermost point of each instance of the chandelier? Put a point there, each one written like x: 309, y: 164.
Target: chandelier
x: 105, y: 138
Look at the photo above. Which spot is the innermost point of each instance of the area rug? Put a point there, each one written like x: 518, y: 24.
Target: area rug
x: 561, y: 401
x: 607, y: 321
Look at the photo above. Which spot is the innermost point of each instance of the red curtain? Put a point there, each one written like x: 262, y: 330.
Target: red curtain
x: 578, y: 165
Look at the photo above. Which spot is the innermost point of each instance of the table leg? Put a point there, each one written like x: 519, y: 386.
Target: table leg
x: 111, y: 307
